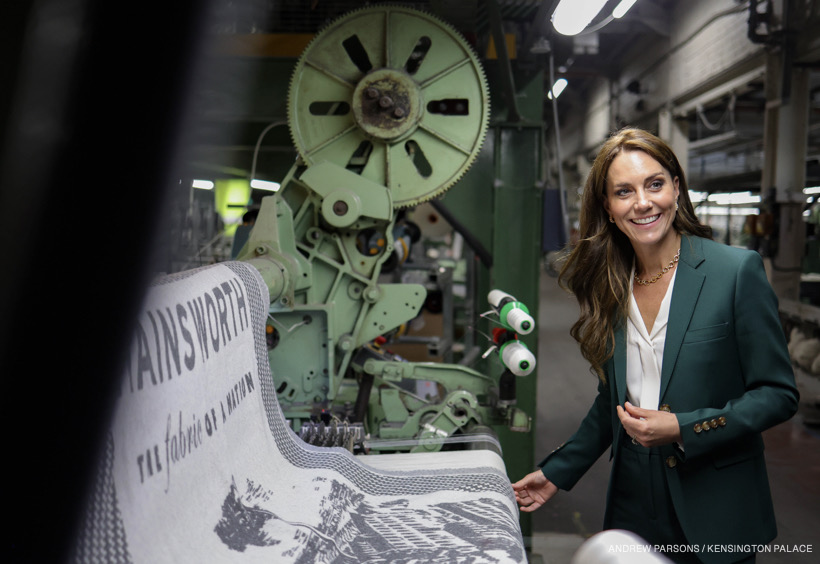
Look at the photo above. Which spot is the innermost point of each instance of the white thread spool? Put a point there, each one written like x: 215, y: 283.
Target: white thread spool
x: 517, y: 358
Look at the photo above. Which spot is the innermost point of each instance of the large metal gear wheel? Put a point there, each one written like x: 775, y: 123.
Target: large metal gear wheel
x: 394, y: 94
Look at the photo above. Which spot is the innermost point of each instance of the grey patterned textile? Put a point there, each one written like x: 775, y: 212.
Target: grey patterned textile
x: 201, y: 465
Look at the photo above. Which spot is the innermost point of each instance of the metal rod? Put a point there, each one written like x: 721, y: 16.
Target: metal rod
x: 504, y: 59
x: 558, y: 157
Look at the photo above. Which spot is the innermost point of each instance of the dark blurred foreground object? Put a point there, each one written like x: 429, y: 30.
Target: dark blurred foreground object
x: 92, y: 112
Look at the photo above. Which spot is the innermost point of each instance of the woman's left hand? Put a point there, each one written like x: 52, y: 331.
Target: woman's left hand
x: 649, y: 427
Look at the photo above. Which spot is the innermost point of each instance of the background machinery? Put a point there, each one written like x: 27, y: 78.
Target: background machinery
x: 387, y: 107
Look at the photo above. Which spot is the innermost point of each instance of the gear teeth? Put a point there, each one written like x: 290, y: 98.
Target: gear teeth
x: 484, y: 116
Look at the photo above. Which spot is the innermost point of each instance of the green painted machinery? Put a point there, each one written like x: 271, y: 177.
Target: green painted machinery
x: 388, y: 107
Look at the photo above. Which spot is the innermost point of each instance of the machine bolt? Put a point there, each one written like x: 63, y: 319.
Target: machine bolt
x: 340, y: 207
x: 260, y: 250
x: 372, y: 93
x: 345, y: 343
x: 386, y: 102
x: 398, y: 113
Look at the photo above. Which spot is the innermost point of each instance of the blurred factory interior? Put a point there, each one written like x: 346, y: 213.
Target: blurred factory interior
x: 140, y: 139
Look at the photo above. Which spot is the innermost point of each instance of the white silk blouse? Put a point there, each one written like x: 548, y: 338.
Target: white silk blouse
x: 644, y: 351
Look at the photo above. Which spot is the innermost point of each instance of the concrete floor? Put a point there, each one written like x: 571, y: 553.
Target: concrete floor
x: 566, y: 389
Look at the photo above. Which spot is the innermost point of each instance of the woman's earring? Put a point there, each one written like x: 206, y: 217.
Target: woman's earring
x: 676, y: 205
x: 611, y: 220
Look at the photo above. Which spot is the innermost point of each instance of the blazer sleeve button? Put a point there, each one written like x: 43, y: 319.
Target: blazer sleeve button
x: 665, y: 407
x: 697, y: 428
x: 713, y: 423
x: 671, y: 461
x: 705, y: 425
x: 722, y: 421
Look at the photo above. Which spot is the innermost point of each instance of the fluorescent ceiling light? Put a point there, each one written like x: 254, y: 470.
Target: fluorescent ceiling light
x: 696, y: 196
x: 264, y: 185
x: 572, y: 16
x: 203, y: 184
x: 812, y: 190
x: 557, y: 88
x: 622, y: 8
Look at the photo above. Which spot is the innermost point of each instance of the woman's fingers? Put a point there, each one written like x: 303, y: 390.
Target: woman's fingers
x: 649, y: 427
x: 532, y: 491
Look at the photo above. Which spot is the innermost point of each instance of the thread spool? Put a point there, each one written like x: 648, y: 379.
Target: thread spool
x: 511, y: 312
x: 517, y: 358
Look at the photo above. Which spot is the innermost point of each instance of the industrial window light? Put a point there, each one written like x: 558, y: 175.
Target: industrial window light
x: 696, y: 196
x: 572, y: 16
x: 724, y: 210
x: 725, y: 198
x: 735, y: 198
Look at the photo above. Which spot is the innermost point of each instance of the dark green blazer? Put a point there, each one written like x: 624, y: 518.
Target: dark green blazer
x: 727, y: 377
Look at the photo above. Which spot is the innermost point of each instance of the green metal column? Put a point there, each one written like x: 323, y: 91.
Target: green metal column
x: 501, y: 201
x: 517, y: 207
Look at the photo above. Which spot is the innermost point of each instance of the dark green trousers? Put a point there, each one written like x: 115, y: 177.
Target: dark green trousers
x: 640, y: 503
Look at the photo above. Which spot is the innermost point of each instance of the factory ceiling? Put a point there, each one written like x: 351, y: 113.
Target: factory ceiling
x: 581, y: 60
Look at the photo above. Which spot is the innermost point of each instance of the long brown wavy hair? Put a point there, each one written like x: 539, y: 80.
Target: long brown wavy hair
x: 597, y: 269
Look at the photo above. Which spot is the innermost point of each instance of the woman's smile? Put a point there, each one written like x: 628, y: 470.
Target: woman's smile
x: 646, y: 220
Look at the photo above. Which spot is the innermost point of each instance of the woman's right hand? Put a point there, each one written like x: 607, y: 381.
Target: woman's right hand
x: 533, y: 490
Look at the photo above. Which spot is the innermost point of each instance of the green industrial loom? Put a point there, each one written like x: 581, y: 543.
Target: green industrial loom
x: 388, y: 107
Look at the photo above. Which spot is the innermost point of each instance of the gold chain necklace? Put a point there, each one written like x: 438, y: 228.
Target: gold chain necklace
x: 659, y: 274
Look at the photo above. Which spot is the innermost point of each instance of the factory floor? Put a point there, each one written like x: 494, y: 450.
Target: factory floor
x: 566, y: 390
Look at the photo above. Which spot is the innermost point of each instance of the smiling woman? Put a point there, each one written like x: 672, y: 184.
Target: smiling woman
x: 685, y: 338
x: 599, y: 269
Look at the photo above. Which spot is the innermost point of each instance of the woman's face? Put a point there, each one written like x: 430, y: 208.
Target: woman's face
x: 640, y: 197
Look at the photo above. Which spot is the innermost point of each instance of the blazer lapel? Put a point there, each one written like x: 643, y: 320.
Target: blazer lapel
x: 688, y: 283
x: 619, y: 362
x: 619, y: 393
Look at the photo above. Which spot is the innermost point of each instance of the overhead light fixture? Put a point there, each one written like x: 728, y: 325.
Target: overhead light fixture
x: 203, y: 184
x: 812, y: 190
x: 572, y: 16
x: 557, y: 88
x: 622, y: 8
x: 264, y: 185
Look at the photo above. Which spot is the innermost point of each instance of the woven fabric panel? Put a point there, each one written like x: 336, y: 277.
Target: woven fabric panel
x: 201, y: 465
